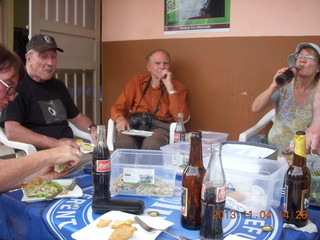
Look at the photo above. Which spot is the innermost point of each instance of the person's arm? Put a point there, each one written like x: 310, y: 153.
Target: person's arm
x: 120, y: 109
x: 83, y: 122
x: 39, y: 164
x: 264, y: 99
x: 313, y: 132
x: 16, y: 132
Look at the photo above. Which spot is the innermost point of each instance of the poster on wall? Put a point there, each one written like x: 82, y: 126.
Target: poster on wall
x: 191, y: 16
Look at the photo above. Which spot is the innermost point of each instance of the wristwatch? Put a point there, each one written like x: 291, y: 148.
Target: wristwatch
x: 90, y: 126
x: 172, y: 92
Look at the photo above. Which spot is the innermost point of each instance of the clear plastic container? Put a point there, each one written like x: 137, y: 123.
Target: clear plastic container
x: 253, y: 184
x: 143, y: 172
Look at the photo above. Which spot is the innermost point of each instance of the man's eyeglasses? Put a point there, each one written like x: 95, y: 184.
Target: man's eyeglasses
x: 10, y: 89
x: 307, y: 57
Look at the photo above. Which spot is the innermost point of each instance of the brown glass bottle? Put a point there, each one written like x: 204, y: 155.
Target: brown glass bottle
x: 297, y: 185
x: 191, y: 185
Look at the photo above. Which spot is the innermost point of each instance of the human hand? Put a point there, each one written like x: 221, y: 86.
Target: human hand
x: 93, y: 134
x: 122, y: 124
x: 278, y: 73
x: 313, y: 139
x: 166, y: 78
x: 64, y: 155
x: 66, y: 142
x: 48, y: 173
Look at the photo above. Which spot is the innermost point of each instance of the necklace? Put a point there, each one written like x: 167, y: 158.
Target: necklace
x: 303, y: 94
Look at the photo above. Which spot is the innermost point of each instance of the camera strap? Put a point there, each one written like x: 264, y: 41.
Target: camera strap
x: 144, y: 93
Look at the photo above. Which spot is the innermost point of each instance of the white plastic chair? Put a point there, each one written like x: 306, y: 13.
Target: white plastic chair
x: 79, y: 133
x: 270, y: 116
x: 29, y: 148
x: 112, y: 132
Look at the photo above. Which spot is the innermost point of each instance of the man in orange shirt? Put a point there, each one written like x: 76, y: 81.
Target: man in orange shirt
x: 150, y: 102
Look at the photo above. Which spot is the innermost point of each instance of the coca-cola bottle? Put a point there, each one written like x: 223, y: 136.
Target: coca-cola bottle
x: 180, y: 131
x: 191, y: 185
x: 101, y: 169
x: 213, y: 197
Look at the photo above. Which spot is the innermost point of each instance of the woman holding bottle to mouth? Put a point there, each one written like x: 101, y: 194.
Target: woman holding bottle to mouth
x: 293, y: 101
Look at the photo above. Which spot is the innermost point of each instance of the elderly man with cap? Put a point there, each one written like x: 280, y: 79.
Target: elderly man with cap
x: 294, y: 102
x: 39, y: 113
x: 40, y: 164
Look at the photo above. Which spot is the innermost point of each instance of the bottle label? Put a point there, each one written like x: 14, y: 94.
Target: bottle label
x: 304, y: 200
x: 221, y: 194
x: 285, y: 202
x: 103, y: 165
x: 184, y: 201
x: 179, y: 137
x: 139, y: 176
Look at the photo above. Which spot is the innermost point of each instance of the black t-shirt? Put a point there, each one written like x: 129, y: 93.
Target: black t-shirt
x: 42, y: 107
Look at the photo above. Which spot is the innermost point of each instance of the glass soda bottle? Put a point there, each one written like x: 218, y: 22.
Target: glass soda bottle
x: 191, y: 185
x: 213, y: 197
x: 101, y: 169
x: 180, y: 131
x: 297, y: 185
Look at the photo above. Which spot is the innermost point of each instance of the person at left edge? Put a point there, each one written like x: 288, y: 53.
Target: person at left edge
x: 39, y: 114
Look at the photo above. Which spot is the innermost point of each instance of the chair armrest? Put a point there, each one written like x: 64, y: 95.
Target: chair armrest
x: 111, y: 134
x: 28, y: 148
x: 172, y: 128
x: 270, y: 116
x: 79, y: 133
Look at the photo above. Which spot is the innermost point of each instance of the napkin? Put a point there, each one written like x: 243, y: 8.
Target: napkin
x: 310, y: 227
x: 93, y: 232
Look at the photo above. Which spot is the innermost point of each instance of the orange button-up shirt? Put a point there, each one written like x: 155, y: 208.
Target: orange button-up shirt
x: 169, y: 105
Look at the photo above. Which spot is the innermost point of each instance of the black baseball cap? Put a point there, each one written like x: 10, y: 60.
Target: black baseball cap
x: 42, y: 43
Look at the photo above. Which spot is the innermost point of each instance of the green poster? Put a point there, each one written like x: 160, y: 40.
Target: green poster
x: 196, y: 16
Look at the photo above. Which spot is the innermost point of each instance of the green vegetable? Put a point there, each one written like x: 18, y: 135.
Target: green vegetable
x: 317, y: 173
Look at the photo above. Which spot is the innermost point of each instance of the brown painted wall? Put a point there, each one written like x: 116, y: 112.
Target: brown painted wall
x: 223, y: 75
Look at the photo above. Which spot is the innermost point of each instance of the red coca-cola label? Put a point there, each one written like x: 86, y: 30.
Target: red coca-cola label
x: 103, y: 165
x: 176, y: 137
x: 221, y: 194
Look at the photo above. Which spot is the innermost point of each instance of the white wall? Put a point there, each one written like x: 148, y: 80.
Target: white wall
x: 124, y: 20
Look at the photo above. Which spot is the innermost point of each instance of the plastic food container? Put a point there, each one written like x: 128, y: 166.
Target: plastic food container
x: 253, y: 184
x: 143, y: 172
x: 211, y: 137
x: 250, y: 149
x: 313, y: 162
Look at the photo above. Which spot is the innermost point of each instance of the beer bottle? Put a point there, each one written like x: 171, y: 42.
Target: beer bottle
x: 101, y: 169
x: 191, y: 185
x: 180, y: 131
x: 297, y: 185
x: 213, y: 197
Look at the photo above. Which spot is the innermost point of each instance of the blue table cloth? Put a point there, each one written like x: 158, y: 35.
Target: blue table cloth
x: 58, y: 219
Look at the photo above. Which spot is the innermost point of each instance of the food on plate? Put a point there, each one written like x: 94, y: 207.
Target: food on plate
x: 159, y: 188
x: 123, y: 232
x: 103, y: 223
x: 79, y: 142
x: 117, y: 223
x: 36, y: 188
x: 59, y: 167
x: 87, y: 147
x: 84, y: 146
